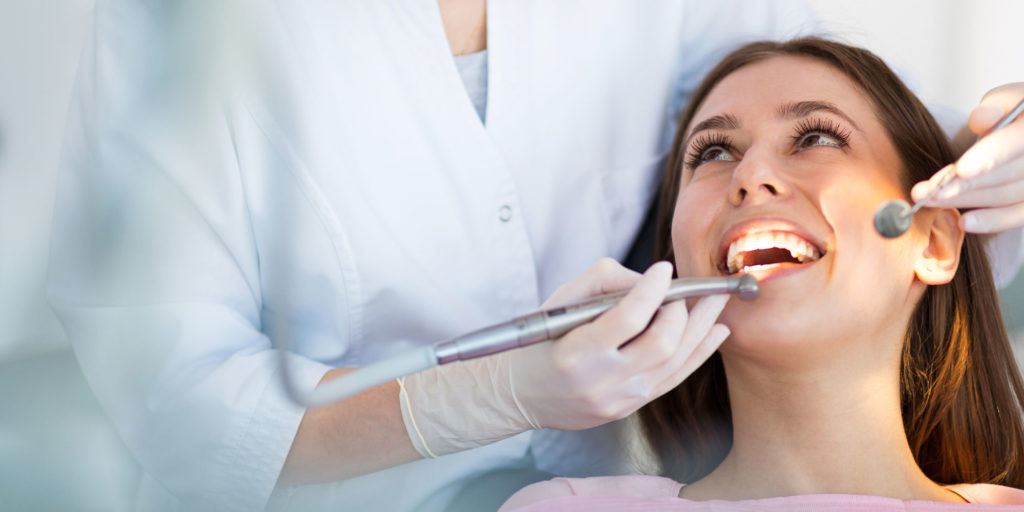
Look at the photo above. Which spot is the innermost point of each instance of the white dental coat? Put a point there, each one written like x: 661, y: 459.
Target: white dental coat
x: 352, y: 198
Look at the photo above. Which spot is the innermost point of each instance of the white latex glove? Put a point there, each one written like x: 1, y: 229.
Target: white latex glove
x: 991, y: 173
x: 633, y: 353
x: 599, y: 372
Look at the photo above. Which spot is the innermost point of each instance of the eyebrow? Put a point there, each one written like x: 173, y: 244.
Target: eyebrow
x: 715, y: 122
x: 793, y: 110
x: 799, y: 109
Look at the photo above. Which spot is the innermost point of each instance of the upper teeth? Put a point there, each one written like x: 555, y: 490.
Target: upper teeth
x: 800, y: 249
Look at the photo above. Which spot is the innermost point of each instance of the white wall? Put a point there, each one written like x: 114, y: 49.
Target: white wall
x: 956, y: 49
x: 40, y: 41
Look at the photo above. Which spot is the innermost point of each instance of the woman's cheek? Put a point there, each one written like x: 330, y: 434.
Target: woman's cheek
x: 688, y: 242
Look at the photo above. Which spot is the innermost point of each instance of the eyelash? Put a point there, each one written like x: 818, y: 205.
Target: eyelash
x: 807, y: 126
x: 704, y: 142
x: 825, y: 126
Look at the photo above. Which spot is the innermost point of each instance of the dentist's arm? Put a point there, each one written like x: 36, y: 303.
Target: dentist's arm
x: 599, y: 372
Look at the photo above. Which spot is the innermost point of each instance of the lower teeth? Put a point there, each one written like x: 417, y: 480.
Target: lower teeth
x: 758, y: 267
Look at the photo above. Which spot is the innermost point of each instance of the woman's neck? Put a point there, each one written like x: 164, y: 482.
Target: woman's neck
x: 823, y: 430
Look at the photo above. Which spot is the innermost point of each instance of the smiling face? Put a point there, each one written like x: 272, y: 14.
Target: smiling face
x: 786, y: 164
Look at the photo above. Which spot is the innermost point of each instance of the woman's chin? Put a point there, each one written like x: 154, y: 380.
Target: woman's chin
x: 776, y: 329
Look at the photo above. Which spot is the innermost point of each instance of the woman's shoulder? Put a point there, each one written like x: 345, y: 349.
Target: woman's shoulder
x: 635, y: 486
x: 989, y: 494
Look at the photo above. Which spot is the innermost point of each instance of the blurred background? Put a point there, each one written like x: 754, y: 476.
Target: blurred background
x: 58, y: 451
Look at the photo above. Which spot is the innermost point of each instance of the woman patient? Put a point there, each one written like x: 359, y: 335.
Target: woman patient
x: 870, y: 373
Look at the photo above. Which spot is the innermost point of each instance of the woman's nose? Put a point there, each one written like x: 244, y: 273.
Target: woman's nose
x: 755, y: 180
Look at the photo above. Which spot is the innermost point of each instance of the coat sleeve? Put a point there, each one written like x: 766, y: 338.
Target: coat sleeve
x: 154, y: 269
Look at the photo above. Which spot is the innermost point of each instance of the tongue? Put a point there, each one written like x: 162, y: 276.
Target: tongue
x: 767, y: 257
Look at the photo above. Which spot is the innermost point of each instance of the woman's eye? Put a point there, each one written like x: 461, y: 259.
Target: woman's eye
x: 709, y: 148
x: 716, y: 153
x: 819, y: 139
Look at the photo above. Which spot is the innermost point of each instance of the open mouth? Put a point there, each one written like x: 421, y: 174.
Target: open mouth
x: 768, y: 248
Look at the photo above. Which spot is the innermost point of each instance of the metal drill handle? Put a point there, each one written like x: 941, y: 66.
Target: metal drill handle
x: 553, y: 323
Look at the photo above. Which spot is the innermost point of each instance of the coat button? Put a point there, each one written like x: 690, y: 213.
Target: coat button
x: 505, y: 213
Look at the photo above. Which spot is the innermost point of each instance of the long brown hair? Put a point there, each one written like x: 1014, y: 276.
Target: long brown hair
x: 962, y: 397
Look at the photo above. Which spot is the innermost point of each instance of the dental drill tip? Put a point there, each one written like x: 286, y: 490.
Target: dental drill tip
x: 892, y: 218
x: 748, y: 288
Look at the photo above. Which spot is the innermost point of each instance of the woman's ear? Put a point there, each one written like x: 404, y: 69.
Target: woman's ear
x: 938, y: 261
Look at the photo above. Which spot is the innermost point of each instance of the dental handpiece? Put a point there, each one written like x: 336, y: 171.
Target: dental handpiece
x: 553, y: 323
x: 519, y: 332
x: 892, y: 218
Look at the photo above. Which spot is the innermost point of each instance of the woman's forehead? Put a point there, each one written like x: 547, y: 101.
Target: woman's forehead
x: 760, y: 88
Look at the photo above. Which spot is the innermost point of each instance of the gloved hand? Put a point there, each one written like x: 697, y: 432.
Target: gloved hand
x: 599, y: 372
x: 991, y: 172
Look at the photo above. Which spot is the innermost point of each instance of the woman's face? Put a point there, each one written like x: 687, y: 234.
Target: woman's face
x: 786, y: 164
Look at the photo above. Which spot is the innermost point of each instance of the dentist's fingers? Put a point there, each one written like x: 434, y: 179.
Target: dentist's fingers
x: 922, y: 188
x: 990, y: 154
x: 705, y: 313
x: 997, y: 159
x: 993, y: 220
x: 996, y: 195
x: 994, y: 160
x: 993, y: 106
x: 995, y: 149
x: 631, y: 315
x: 701, y: 324
x: 707, y: 346
x: 984, y: 117
x: 660, y: 342
x: 583, y: 379
x: 604, y: 276
x: 695, y: 325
